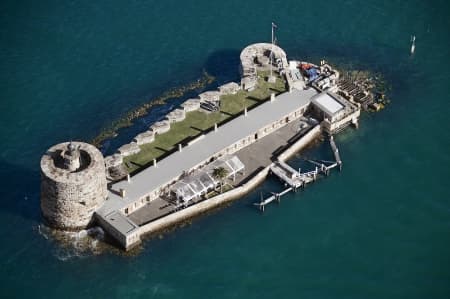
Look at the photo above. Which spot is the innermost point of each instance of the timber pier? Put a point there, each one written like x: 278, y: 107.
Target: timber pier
x: 295, y: 179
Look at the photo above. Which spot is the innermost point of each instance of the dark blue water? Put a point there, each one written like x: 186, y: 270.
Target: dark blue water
x: 379, y: 229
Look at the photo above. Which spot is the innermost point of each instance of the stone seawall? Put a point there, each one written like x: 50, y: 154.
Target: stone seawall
x: 221, y: 199
x: 204, y: 206
x: 301, y: 143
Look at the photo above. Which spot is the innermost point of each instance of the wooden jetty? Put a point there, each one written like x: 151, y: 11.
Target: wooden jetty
x: 275, y: 197
x: 294, y: 179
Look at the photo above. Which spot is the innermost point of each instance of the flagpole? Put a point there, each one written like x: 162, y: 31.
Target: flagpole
x: 271, y: 54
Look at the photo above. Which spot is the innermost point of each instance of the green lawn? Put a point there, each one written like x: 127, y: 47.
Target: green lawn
x: 198, y: 121
x: 193, y: 125
x: 234, y: 104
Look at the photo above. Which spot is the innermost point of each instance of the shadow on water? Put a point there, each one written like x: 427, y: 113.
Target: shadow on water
x: 20, y: 194
x: 224, y: 65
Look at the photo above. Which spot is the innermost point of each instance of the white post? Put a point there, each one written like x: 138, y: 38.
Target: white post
x: 215, y: 127
x: 245, y: 111
x: 128, y: 178
x: 179, y: 147
x: 154, y: 163
x: 272, y: 97
x: 271, y: 54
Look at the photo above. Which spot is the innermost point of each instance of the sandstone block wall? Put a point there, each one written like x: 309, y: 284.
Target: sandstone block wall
x: 69, y: 199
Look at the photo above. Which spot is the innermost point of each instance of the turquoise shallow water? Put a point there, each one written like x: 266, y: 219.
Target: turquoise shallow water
x: 379, y: 229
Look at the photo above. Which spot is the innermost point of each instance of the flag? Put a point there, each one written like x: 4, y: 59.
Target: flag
x: 274, y: 25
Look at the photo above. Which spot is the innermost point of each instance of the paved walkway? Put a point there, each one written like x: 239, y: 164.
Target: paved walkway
x: 151, y: 211
x: 264, y: 151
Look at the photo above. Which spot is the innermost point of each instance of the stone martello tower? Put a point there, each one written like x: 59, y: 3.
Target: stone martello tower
x: 73, y: 184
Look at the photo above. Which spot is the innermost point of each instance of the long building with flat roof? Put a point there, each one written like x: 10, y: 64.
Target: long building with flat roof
x: 126, y: 196
x: 169, y: 169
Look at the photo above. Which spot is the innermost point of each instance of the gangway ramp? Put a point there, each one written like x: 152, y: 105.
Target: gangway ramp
x: 337, y: 157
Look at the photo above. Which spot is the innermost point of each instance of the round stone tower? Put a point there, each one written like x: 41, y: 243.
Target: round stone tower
x: 73, y: 184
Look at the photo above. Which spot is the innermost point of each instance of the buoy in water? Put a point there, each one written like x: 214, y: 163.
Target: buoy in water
x: 413, y: 44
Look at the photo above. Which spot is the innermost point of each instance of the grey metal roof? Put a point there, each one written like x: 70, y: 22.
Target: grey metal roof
x: 327, y: 103
x: 213, y: 142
